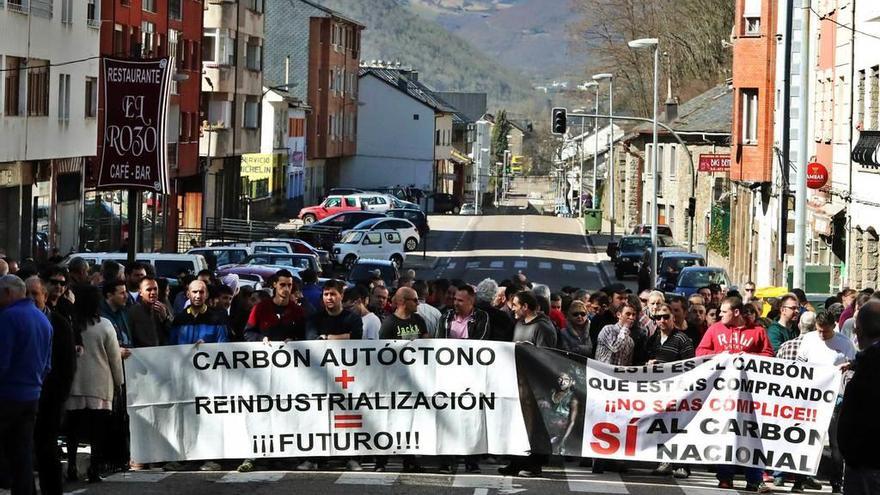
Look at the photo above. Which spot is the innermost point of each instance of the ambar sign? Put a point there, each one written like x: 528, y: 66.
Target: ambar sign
x: 136, y: 101
x: 817, y: 175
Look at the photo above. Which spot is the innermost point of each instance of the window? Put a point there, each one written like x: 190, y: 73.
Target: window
x: 331, y: 129
x: 649, y: 160
x: 860, y: 100
x: 67, y: 11
x: 673, y: 161
x: 175, y: 9
x: 220, y: 113
x: 38, y: 89
x: 12, y: 86
x: 251, y: 114
x: 752, y: 17
x: 254, y: 5
x: 148, y: 5
x: 670, y: 220
x: 254, y: 54
x: 93, y: 17
x: 218, y: 47
x: 660, y: 150
x: 873, y: 97
x: 296, y: 127
x: 749, y: 116
x: 118, y: 40
x: 148, y: 39
x: 64, y: 97
x: 332, y: 80
x: 91, y: 109
x: 174, y: 50
x: 185, y: 126
x: 373, y: 238
x: 209, y: 45
x: 20, y: 6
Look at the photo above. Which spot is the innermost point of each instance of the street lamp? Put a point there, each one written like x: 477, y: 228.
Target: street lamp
x: 599, y: 78
x: 655, y: 44
x: 588, y: 84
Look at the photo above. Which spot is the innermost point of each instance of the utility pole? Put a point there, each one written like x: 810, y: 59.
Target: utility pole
x: 800, y: 201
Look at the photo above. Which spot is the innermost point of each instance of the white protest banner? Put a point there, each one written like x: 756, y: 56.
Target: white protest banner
x: 322, y: 398
x: 726, y: 409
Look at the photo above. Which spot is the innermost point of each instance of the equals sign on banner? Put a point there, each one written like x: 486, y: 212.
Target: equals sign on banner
x: 348, y: 420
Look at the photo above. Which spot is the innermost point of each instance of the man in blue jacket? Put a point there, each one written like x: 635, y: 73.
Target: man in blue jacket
x: 25, y: 353
x: 199, y: 323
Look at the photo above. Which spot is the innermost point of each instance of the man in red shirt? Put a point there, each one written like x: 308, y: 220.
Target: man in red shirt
x: 732, y: 335
x: 279, y: 318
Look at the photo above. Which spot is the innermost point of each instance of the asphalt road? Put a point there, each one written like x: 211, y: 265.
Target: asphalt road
x: 547, y: 249
x: 559, y: 479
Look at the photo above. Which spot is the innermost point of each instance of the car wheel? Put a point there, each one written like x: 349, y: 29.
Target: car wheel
x: 349, y: 261
x: 397, y: 260
x: 411, y: 244
x: 309, y: 218
x: 456, y: 210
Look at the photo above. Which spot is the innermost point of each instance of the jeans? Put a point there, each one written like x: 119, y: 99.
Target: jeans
x: 754, y: 476
x: 17, y: 441
x: 858, y: 481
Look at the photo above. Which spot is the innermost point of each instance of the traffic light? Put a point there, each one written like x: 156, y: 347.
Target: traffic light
x: 558, y: 121
x: 692, y: 207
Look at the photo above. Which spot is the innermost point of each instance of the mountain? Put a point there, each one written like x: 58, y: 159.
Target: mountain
x: 446, y: 62
x: 528, y: 35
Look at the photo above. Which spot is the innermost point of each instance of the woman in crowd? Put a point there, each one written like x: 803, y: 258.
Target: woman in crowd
x: 575, y: 337
x: 98, y: 374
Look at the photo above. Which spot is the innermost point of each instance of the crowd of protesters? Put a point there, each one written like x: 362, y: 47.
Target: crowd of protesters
x: 64, y: 333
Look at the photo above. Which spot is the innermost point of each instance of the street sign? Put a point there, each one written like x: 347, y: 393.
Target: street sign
x: 714, y: 163
x: 136, y: 94
x: 817, y: 175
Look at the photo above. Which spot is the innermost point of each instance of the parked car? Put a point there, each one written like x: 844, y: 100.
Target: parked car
x: 645, y: 229
x: 297, y: 261
x: 331, y: 205
x: 256, y: 272
x: 362, y: 270
x: 692, y: 278
x: 302, y: 247
x: 405, y: 205
x: 344, y: 191
x: 222, y: 255
x: 407, y: 230
x: 645, y: 276
x: 324, y: 233
x: 445, y: 203
x: 417, y: 217
x: 670, y: 265
x: 165, y: 265
x: 376, y: 202
x: 370, y: 244
x: 627, y: 253
x: 467, y: 209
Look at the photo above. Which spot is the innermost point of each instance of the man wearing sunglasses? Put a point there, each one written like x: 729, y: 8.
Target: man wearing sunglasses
x: 784, y: 329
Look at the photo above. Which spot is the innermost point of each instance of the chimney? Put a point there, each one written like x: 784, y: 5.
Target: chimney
x: 671, y: 109
x: 402, y: 82
x: 414, y: 75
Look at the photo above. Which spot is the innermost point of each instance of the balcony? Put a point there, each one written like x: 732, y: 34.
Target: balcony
x: 222, y: 77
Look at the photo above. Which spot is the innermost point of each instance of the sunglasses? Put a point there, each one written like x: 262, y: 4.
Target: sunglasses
x: 578, y: 314
x: 54, y: 281
x: 661, y: 317
x: 645, y: 301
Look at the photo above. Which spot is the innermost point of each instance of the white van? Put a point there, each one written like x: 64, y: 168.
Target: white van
x: 166, y: 265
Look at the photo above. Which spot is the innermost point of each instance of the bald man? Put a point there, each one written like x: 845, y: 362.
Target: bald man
x: 404, y: 323
x: 199, y: 323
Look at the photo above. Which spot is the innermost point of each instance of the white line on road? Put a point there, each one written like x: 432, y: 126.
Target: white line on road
x: 544, y: 265
x: 379, y: 479
x: 451, y: 266
x: 520, y: 264
x: 504, y: 484
x: 583, y: 481
x: 472, y: 264
x: 496, y: 264
x: 256, y: 477
x: 138, y: 477
x: 481, y: 491
x: 568, y: 266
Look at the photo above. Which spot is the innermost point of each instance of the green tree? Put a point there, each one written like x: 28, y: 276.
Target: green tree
x: 499, y: 135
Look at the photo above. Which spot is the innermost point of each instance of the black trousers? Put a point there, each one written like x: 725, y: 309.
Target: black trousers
x: 93, y: 424
x: 48, y: 426
x: 17, y: 443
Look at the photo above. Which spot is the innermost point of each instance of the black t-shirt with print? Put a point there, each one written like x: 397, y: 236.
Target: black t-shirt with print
x: 399, y: 329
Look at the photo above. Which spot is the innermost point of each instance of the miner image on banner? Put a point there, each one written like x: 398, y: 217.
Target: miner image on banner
x: 135, y: 99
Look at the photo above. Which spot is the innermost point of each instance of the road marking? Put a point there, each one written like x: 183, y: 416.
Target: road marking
x: 138, y: 477
x: 586, y: 482
x: 544, y: 265
x: 593, y: 269
x: 496, y: 264
x: 378, y: 479
x: 568, y: 266
x: 520, y: 264
x: 472, y: 265
x: 504, y: 484
x: 451, y: 266
x: 256, y: 477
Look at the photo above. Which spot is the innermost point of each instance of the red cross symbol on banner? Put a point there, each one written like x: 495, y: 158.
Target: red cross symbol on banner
x: 345, y: 379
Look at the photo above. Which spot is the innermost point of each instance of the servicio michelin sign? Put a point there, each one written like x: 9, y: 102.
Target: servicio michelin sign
x: 452, y: 397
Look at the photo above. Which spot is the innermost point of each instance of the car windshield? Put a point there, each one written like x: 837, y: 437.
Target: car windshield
x: 353, y: 237
x: 678, y: 264
x: 701, y: 278
x: 366, y: 224
x: 634, y: 243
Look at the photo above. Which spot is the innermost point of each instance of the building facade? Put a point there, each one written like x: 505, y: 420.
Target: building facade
x: 314, y: 52
x: 232, y: 88
x: 48, y: 121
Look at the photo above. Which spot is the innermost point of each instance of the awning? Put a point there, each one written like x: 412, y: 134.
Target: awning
x: 865, y: 151
x: 459, y: 158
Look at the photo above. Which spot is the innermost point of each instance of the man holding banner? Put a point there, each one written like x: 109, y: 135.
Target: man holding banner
x: 730, y: 335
